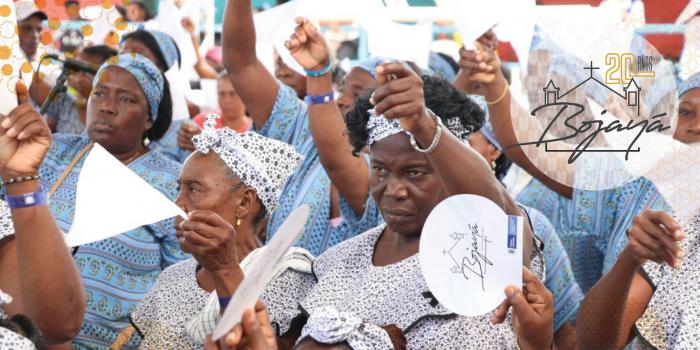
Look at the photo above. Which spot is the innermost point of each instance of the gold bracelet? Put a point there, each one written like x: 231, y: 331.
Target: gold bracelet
x: 505, y: 91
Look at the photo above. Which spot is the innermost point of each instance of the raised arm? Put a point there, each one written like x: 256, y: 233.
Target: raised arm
x: 253, y: 82
x: 203, y: 69
x: 619, y: 299
x: 506, y: 116
x: 37, y: 268
x: 348, y: 173
x: 403, y: 99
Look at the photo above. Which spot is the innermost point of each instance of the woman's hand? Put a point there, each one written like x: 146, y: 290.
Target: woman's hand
x: 308, y: 46
x: 211, y: 240
x: 533, y: 313
x: 24, y: 138
x: 254, y: 332
x: 655, y: 236
x: 185, y: 134
x: 400, y: 96
x: 481, y: 64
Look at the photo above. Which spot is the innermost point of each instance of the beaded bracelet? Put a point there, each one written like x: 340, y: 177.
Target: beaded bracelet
x: 13, y: 180
x: 321, y: 72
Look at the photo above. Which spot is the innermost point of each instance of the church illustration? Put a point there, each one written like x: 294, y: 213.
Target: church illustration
x: 630, y: 93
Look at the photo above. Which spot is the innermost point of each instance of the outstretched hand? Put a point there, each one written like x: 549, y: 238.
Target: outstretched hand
x: 308, y: 46
x: 24, y: 138
x: 655, y: 236
x: 533, y: 312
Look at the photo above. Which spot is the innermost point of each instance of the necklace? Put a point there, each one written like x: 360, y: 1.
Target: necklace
x: 134, y: 156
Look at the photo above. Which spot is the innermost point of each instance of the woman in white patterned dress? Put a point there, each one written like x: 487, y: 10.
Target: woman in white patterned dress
x: 228, y: 187
x: 650, y: 298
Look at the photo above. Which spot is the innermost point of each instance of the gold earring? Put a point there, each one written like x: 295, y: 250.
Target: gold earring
x: 493, y: 164
x: 238, y: 220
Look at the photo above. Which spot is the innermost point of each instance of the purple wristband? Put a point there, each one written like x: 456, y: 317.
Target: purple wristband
x: 27, y: 200
x: 319, y: 100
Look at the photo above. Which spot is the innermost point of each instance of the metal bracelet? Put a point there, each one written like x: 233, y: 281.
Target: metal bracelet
x: 436, y: 139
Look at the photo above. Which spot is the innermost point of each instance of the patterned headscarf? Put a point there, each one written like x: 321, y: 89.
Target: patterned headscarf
x: 440, y: 67
x: 693, y: 82
x: 167, y: 47
x: 146, y: 73
x: 370, y: 65
x: 378, y: 127
x: 260, y: 162
x: 329, y: 326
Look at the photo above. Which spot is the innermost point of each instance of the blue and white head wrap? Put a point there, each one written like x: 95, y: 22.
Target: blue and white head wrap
x: 441, y: 67
x: 330, y: 326
x: 167, y: 47
x: 370, y: 65
x: 146, y: 73
x: 693, y: 82
x: 260, y: 162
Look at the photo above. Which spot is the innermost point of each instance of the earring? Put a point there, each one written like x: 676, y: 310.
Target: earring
x: 493, y: 164
x: 238, y: 220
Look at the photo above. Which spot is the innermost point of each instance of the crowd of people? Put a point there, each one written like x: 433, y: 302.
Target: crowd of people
x: 371, y: 151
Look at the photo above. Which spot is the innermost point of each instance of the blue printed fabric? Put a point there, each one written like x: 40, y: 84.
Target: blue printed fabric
x: 288, y: 122
x: 117, y: 272
x: 168, y: 145
x: 592, y: 225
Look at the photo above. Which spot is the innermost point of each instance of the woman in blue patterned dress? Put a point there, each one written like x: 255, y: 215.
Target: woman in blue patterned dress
x: 130, y: 104
x: 279, y: 113
x: 591, y: 224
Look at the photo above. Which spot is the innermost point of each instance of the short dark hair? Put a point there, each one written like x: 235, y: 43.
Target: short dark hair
x: 104, y: 52
x: 441, y: 97
x: 24, y: 326
x: 143, y: 6
x: 165, y: 115
x: 71, y: 2
x: 151, y: 43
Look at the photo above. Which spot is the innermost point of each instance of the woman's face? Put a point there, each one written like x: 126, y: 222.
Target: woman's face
x: 403, y: 184
x: 206, y: 183
x: 289, y: 77
x: 357, y: 82
x: 481, y: 144
x: 117, y: 112
x: 82, y: 81
x: 230, y: 103
x: 688, y: 127
x: 132, y: 45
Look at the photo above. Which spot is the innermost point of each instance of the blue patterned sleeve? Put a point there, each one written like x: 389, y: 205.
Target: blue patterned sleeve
x: 168, y: 145
x: 169, y: 245
x: 370, y: 218
x: 288, y: 121
x: 560, y: 277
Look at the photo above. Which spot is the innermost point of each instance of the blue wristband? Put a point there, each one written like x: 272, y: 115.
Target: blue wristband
x: 27, y: 200
x: 322, y: 71
x: 319, y: 100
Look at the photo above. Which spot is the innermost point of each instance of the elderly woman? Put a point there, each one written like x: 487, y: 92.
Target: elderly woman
x: 45, y: 287
x: 415, y: 166
x: 351, y: 176
x: 591, y: 224
x: 129, y: 105
x: 279, y: 113
x: 228, y: 187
